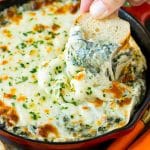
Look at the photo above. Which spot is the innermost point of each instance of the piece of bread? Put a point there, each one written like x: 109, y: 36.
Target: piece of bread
x: 112, y: 29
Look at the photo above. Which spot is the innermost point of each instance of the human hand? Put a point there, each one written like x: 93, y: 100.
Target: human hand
x: 102, y: 8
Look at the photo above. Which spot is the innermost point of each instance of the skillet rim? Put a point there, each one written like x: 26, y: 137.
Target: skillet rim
x: 137, y: 114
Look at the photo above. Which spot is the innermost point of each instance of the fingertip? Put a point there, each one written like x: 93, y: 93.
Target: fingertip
x: 85, y: 5
x: 103, y: 8
x: 98, y: 9
x: 136, y: 2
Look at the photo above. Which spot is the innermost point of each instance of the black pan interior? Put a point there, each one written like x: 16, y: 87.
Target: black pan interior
x: 7, y: 3
x: 142, y: 37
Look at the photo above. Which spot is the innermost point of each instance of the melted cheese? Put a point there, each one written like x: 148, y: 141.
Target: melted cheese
x: 48, y: 96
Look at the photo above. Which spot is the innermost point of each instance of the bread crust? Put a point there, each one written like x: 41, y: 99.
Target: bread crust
x: 112, y: 29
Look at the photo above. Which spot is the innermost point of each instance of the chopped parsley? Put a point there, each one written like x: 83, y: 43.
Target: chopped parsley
x: 63, y: 49
x: 102, y: 129
x: 22, y: 65
x: 21, y: 45
x: 74, y: 103
x: 10, y: 84
x: 43, y: 98
x: 36, y: 81
x: 53, y: 35
x: 117, y: 120
x: 62, y: 85
x: 66, y: 34
x: 27, y: 33
x: 64, y: 107
x: 34, y: 116
x: 37, y: 43
x: 14, y: 97
x: 34, y: 70
x: 55, y: 102
x: 89, y: 91
x: 23, y: 79
x: 24, y: 106
x: 72, y: 116
x: 13, y: 104
x: 58, y: 69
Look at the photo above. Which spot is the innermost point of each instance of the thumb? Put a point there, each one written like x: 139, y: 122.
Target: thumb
x: 137, y: 2
x: 103, y: 8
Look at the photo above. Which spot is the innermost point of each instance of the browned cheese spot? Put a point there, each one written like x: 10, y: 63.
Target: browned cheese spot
x: 7, y: 33
x: 124, y: 102
x: 13, y: 15
x: 3, y: 48
x: 9, y: 114
x: 46, y: 129
x: 21, y: 98
x: 4, y: 62
x: 55, y: 27
x: 39, y: 27
x: 116, y: 90
x: 80, y: 76
x: 97, y: 102
x: 67, y: 8
x: 85, y: 108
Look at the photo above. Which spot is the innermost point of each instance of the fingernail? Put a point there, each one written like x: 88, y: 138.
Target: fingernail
x: 136, y: 2
x: 98, y: 9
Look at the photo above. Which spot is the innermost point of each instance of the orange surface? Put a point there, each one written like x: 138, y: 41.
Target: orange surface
x: 143, y: 143
x: 123, y: 142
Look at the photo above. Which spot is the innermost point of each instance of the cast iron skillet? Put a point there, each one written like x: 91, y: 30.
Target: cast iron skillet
x: 142, y: 37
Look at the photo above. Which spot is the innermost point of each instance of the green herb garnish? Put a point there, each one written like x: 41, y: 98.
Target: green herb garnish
x: 89, y: 91
x: 25, y: 106
x: 34, y: 115
x: 34, y: 70
x: 23, y: 79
